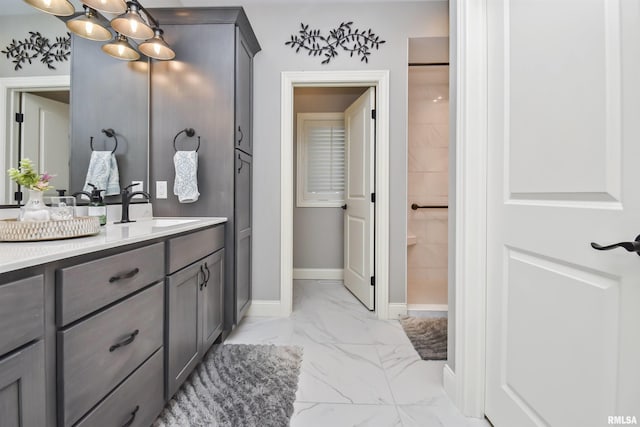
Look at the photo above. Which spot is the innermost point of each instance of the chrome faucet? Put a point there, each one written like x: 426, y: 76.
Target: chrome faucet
x: 126, y: 200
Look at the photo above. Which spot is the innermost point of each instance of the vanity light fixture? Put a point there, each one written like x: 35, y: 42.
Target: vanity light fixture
x: 120, y: 48
x: 134, y: 22
x: 115, y: 7
x: 54, y: 7
x: 89, y: 27
x: 156, y: 47
x: 131, y: 23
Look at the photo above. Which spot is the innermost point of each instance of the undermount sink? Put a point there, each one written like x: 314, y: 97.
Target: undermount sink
x: 169, y: 222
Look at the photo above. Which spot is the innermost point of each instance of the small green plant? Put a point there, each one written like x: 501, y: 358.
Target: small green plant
x: 27, y: 177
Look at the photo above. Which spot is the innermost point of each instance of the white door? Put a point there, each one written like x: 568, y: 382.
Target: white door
x: 359, y: 184
x: 45, y: 136
x: 563, y: 320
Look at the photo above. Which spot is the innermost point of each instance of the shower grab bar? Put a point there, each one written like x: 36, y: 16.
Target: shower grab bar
x: 415, y: 206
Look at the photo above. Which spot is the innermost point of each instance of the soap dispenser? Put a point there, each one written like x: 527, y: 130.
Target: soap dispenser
x: 97, y: 206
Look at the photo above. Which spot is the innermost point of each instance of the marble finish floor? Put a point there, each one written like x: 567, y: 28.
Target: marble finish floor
x: 356, y: 370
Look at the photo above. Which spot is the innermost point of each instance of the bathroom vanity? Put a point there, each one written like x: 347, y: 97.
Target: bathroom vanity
x: 102, y: 330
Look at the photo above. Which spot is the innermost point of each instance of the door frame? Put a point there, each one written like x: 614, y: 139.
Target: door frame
x: 379, y: 79
x: 466, y: 384
x: 9, y: 86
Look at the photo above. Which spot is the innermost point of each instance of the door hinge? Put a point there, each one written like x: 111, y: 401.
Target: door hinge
x: 373, y: 114
x: 373, y: 280
x: 19, y: 118
x: 373, y: 197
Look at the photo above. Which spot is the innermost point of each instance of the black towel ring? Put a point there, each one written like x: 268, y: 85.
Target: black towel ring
x: 189, y: 132
x: 111, y: 134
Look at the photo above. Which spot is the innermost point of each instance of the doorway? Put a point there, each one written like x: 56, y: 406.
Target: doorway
x: 32, y: 91
x: 379, y: 80
x: 332, y: 226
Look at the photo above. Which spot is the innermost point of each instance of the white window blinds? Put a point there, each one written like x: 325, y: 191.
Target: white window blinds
x: 321, y: 150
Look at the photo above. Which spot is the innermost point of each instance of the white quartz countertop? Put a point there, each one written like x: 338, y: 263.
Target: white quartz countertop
x: 14, y: 256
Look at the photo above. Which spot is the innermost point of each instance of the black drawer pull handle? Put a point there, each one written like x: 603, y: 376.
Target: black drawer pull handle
x: 132, y: 417
x: 203, y: 277
x: 206, y: 280
x: 128, y: 275
x: 241, y: 135
x: 127, y: 341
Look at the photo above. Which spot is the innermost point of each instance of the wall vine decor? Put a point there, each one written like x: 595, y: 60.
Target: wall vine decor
x: 344, y: 37
x: 25, y: 51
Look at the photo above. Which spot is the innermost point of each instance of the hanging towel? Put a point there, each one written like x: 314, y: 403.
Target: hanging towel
x: 186, y: 183
x: 103, y: 173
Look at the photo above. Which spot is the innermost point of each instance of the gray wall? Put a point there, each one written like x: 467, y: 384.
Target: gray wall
x: 274, y: 24
x: 318, y: 232
x: 18, y: 27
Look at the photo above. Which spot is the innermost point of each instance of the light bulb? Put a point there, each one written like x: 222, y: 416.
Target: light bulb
x: 88, y: 28
x: 157, y: 48
x: 47, y: 3
x: 134, y: 27
x: 120, y: 49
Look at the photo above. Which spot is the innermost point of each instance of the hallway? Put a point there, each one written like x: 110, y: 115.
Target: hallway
x: 356, y: 369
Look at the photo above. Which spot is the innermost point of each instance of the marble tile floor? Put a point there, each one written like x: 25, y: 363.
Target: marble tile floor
x: 356, y: 370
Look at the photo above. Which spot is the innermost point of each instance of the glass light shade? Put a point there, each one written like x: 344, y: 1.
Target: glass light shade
x: 107, y: 6
x: 54, y: 7
x: 132, y: 25
x: 88, y: 26
x: 156, y: 47
x: 121, y: 49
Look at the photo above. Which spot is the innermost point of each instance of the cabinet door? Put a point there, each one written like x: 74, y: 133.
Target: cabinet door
x: 212, y: 297
x: 244, y: 79
x: 243, y: 212
x: 184, y: 307
x: 22, y: 388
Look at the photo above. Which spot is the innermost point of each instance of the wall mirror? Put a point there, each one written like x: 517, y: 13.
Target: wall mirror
x: 63, y: 113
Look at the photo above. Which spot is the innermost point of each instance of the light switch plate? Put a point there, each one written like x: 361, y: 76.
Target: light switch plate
x: 161, y: 189
x: 139, y: 186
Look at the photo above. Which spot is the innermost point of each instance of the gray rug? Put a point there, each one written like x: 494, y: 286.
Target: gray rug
x: 428, y: 336
x: 237, y: 385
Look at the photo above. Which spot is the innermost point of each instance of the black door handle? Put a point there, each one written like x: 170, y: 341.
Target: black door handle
x: 208, y: 276
x: 629, y: 246
x: 132, y: 417
x: 241, y: 135
x: 344, y: 207
x: 204, y: 280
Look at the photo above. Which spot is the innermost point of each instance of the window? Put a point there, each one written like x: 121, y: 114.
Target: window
x: 320, y: 177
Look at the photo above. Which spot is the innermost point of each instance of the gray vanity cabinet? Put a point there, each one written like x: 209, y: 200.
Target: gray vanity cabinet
x: 212, y: 93
x: 194, y: 302
x: 22, y: 387
x: 22, y: 366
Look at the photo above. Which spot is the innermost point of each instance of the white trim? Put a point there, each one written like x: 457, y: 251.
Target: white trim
x: 264, y: 308
x: 380, y: 80
x: 318, y: 273
x: 396, y: 309
x: 428, y: 307
x: 471, y: 207
x: 449, y: 381
x: 7, y: 86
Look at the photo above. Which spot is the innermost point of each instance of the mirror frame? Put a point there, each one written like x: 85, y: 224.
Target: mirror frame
x: 8, y: 88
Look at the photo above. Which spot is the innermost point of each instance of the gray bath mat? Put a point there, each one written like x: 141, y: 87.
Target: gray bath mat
x: 237, y: 385
x: 428, y: 336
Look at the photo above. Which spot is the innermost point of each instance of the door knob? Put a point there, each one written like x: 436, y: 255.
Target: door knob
x: 344, y: 207
x: 629, y: 246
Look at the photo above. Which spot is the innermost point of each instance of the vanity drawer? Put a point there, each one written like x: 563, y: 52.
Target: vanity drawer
x: 184, y: 250
x: 21, y: 312
x: 86, y: 287
x: 136, y: 402
x: 98, y: 353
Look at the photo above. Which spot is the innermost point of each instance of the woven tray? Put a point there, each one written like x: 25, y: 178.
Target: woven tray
x: 12, y: 230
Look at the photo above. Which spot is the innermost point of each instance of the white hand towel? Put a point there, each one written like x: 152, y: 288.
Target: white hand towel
x: 103, y: 173
x: 186, y: 183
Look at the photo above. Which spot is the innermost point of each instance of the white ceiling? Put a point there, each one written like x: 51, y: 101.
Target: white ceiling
x: 19, y: 7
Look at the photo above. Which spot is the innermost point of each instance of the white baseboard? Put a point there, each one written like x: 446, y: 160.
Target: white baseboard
x: 318, y: 273
x: 397, y: 309
x: 449, y: 383
x: 428, y: 307
x: 265, y: 308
